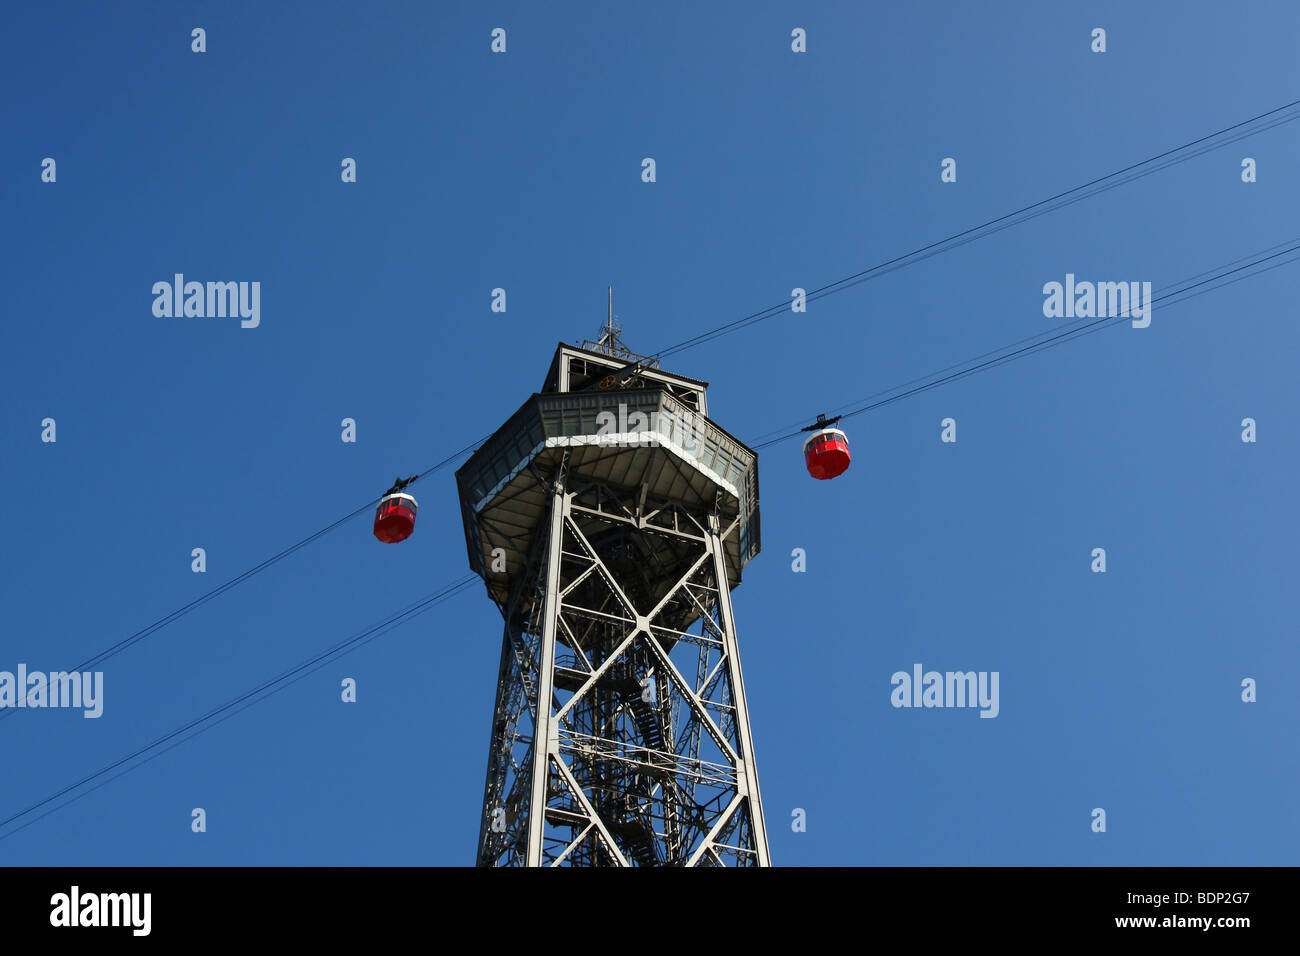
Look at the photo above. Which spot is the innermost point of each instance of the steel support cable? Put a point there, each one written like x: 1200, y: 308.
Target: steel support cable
x: 917, y: 255
x: 273, y: 685
x: 920, y: 256
x: 1024, y: 214
x: 1012, y: 352
x: 198, y: 602
x: 265, y: 689
x: 270, y: 687
x: 848, y: 283
x: 1037, y: 335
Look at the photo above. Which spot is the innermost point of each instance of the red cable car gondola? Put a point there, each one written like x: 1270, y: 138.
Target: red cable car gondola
x: 395, y: 516
x: 826, y: 452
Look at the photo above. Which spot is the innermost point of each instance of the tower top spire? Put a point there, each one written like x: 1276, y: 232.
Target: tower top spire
x: 610, y: 340
x: 610, y: 333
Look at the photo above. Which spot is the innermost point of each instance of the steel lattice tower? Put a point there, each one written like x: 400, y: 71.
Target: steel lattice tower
x: 610, y: 519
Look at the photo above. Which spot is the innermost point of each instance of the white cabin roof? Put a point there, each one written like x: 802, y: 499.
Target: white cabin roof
x: 825, y: 431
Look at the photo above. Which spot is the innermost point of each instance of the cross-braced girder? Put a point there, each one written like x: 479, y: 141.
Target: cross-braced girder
x: 620, y: 713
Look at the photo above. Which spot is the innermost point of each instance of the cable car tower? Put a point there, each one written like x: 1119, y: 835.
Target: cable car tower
x: 609, y: 519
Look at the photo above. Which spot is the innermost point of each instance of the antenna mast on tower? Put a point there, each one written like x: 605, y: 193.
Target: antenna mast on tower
x: 610, y: 340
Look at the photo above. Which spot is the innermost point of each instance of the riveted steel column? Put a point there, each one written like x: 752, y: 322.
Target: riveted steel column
x: 747, y: 772
x: 546, y: 736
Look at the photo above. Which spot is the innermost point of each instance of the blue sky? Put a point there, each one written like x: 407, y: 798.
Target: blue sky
x: 774, y: 170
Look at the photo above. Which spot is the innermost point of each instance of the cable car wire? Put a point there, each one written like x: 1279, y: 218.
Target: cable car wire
x: 898, y: 262
x: 266, y: 689
x: 1052, y: 340
x: 761, y: 441
x: 1011, y: 353
x: 198, y: 602
x: 1022, y: 215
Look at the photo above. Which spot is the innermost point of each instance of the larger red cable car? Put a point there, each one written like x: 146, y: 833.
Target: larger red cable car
x: 826, y: 452
x: 395, y: 516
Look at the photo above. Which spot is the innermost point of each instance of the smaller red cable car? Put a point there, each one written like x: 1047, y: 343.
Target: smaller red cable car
x: 395, y: 516
x: 826, y: 452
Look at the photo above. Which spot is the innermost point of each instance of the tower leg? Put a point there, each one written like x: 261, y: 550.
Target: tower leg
x: 748, y: 777
x: 546, y: 739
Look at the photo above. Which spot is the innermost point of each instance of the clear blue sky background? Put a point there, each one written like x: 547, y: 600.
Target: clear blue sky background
x: 775, y: 170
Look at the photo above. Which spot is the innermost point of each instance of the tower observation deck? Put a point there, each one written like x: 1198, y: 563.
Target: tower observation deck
x: 610, y: 518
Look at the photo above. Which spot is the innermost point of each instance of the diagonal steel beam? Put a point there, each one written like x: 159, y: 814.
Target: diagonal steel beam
x: 707, y: 843
x: 592, y: 815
